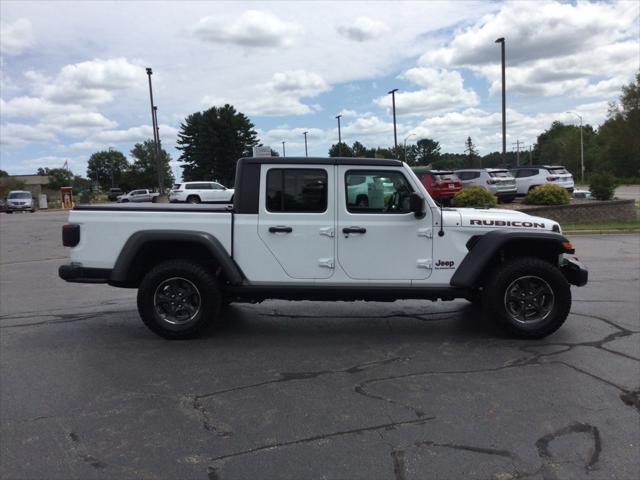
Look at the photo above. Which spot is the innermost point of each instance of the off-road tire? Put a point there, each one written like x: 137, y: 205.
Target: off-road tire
x: 210, y: 299
x: 193, y: 199
x: 495, y: 301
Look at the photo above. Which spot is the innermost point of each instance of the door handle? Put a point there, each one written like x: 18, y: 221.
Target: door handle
x: 280, y: 229
x: 348, y: 230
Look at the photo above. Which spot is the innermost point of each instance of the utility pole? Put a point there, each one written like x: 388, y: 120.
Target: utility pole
x: 306, y: 152
x: 395, y: 133
x: 504, y: 107
x: 339, y: 137
x: 581, y: 148
x: 155, y: 135
x: 518, y: 144
x: 284, y: 152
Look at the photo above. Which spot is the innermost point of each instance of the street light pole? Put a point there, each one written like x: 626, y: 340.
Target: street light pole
x: 581, y: 148
x: 504, y: 107
x: 395, y: 133
x: 284, y: 152
x: 306, y: 152
x: 155, y: 135
x: 339, y: 137
x: 405, y: 145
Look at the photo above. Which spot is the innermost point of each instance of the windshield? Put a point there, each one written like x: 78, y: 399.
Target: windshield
x: 500, y: 174
x: 19, y: 195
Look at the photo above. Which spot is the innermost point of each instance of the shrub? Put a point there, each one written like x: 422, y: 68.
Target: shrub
x: 548, y: 194
x: 474, y: 197
x: 602, y: 186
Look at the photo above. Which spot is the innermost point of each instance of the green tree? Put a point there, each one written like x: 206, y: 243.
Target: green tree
x: 144, y: 172
x: 359, y: 150
x: 618, y: 139
x: 340, y: 150
x: 472, y: 159
x: 58, y: 177
x: 108, y: 168
x: 427, y: 151
x: 212, y: 141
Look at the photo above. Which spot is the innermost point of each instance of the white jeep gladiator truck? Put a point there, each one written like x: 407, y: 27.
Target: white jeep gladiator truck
x: 295, y: 233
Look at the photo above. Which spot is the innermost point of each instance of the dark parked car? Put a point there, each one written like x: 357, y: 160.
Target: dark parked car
x: 114, y: 193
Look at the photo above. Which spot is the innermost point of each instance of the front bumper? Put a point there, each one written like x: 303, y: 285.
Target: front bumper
x: 574, y: 272
x: 76, y: 273
x: 16, y: 208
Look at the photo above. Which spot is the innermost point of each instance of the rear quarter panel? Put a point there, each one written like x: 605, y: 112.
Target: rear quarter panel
x: 103, y: 233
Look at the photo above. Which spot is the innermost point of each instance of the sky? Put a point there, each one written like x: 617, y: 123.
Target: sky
x: 73, y: 77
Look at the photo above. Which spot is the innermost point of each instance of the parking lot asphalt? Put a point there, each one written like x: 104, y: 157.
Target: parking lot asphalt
x: 403, y: 390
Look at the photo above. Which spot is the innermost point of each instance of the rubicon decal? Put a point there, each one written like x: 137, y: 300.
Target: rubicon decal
x: 445, y: 264
x: 506, y: 223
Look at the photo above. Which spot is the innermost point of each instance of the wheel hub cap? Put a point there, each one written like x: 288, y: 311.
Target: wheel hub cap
x: 177, y: 301
x: 529, y: 300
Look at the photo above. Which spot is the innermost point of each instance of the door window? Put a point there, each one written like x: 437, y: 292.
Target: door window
x: 296, y: 190
x: 377, y: 192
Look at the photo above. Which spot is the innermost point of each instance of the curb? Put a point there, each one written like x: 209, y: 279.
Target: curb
x: 600, y: 232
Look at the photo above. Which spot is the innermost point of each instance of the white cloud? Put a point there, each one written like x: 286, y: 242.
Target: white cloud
x: 20, y: 133
x: 90, y: 82
x: 16, y: 37
x: 254, y: 29
x: 552, y: 48
x: 363, y: 29
x: 442, y: 90
x: 282, y: 95
x: 135, y: 134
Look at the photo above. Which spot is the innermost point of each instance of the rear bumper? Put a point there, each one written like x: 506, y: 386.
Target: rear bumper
x: 79, y: 274
x: 574, y: 272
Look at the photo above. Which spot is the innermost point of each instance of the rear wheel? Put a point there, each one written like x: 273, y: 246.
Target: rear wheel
x: 193, y: 199
x: 178, y: 299
x: 527, y: 298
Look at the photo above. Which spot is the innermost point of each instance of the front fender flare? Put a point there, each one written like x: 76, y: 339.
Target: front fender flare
x: 483, y: 248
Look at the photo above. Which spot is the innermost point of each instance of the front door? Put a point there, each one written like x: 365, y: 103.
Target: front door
x: 296, y: 218
x: 379, y: 238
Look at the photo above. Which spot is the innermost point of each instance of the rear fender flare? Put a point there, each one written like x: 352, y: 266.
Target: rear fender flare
x: 138, y: 240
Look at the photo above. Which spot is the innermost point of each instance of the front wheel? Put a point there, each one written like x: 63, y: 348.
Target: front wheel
x: 527, y: 298
x: 178, y: 299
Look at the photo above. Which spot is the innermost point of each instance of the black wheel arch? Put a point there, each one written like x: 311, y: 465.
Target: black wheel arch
x: 144, y: 249
x: 488, y: 250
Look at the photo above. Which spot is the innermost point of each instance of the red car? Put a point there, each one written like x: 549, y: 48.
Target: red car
x: 442, y: 185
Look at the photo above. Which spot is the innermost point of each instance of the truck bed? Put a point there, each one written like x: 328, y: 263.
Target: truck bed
x: 104, y: 229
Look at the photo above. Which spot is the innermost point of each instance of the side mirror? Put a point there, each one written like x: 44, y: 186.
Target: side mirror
x: 416, y: 203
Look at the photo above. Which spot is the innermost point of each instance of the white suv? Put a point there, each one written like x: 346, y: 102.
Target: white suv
x: 533, y: 176
x: 498, y: 181
x: 201, y: 192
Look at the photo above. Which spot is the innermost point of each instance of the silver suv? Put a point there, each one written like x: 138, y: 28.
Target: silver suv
x: 529, y: 177
x: 498, y: 181
x: 19, y: 201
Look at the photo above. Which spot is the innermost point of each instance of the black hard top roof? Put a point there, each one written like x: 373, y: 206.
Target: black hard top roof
x: 374, y: 162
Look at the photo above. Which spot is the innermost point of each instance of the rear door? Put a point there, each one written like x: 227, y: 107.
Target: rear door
x: 382, y: 240
x: 296, y: 218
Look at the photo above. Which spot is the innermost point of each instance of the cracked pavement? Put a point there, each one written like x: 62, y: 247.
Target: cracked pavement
x: 404, y: 390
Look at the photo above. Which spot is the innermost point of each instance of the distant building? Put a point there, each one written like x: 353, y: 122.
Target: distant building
x: 32, y: 183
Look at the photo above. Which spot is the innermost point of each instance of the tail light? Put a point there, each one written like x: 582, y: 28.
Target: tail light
x: 552, y: 179
x: 70, y: 234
